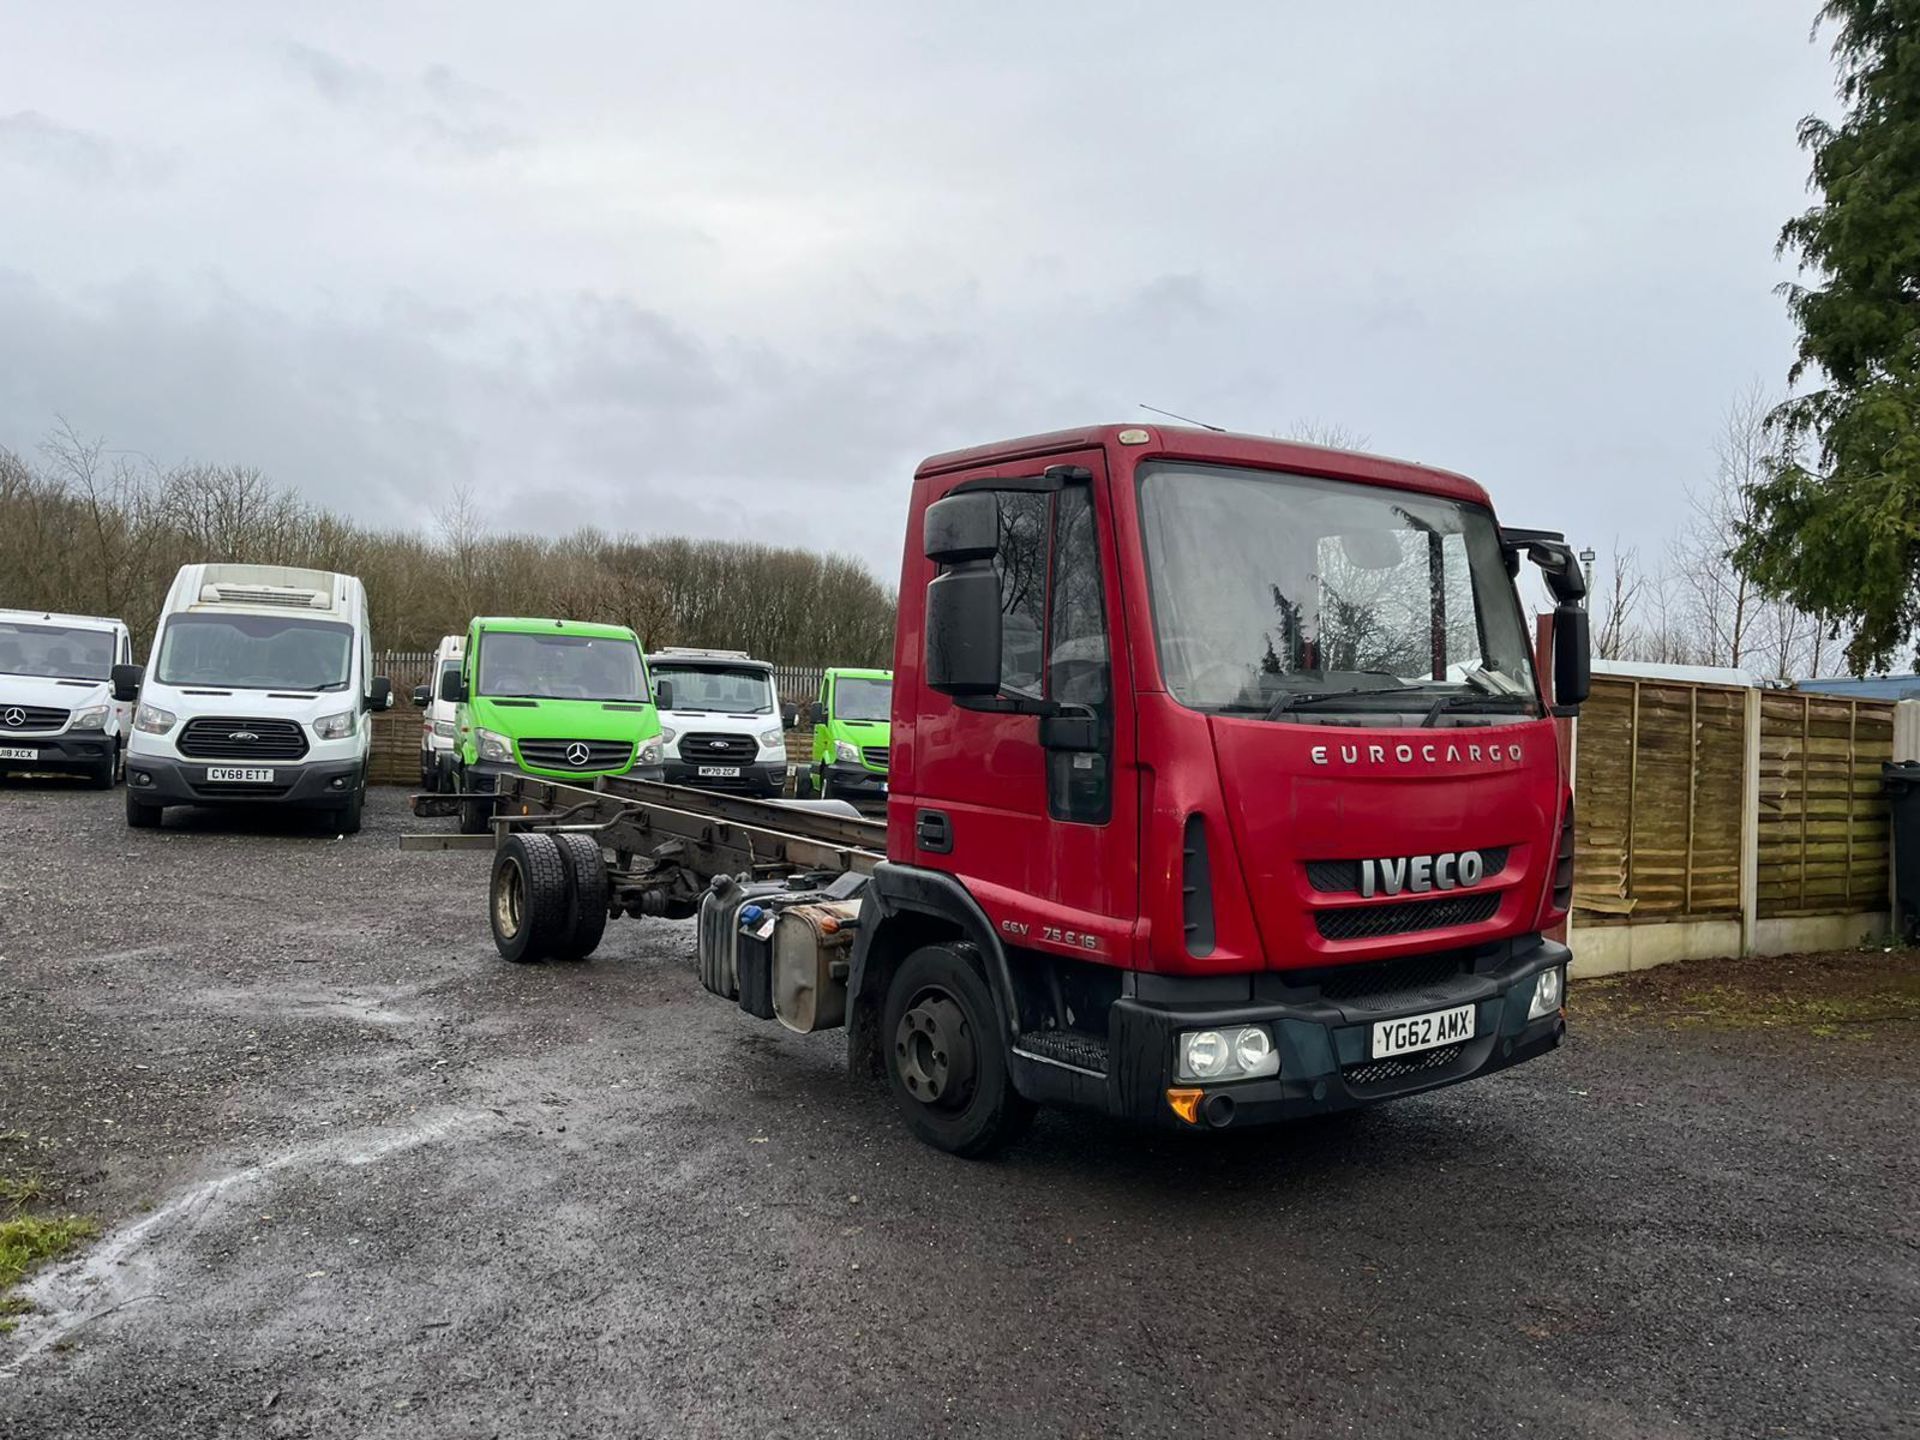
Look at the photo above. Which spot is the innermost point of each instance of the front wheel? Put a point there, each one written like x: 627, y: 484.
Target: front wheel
x: 803, y: 783
x: 476, y: 816
x: 349, y: 814
x: 141, y: 816
x: 102, y: 776
x: 946, y: 1058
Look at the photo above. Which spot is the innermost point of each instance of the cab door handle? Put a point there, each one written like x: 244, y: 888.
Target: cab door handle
x: 933, y: 832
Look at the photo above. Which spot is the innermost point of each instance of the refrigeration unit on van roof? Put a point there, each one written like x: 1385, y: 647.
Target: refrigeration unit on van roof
x: 276, y: 587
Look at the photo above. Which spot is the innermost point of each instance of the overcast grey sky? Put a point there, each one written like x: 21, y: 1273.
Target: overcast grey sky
x: 732, y: 269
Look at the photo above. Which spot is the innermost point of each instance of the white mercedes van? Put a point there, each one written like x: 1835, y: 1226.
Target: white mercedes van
x: 57, y: 710
x: 259, y: 691
x: 438, y: 726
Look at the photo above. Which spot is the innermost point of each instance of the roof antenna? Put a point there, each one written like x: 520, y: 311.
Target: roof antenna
x: 1183, y: 419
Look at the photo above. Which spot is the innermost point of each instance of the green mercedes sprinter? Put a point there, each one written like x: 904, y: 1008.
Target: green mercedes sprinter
x: 561, y: 699
x: 852, y: 733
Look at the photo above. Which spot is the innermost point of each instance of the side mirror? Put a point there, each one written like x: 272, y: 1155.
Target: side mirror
x: 422, y: 697
x: 382, y: 696
x: 962, y: 528
x: 963, y: 630
x: 1572, y: 656
x: 453, y: 687
x: 816, y: 713
x: 789, y: 717
x: 126, y: 681
x: 663, y: 694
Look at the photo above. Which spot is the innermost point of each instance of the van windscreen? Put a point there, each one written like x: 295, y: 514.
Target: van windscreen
x: 255, y: 652
x: 59, y: 652
x: 559, y: 667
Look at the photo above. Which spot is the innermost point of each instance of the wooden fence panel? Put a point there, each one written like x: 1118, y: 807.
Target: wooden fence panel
x: 1658, y: 770
x: 1823, y: 814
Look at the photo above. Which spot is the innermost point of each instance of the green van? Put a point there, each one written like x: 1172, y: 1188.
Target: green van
x: 561, y: 699
x: 852, y: 732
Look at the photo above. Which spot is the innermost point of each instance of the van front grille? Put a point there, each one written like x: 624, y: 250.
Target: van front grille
x: 22, y: 718
x: 577, y: 754
x: 219, y: 737
x: 708, y: 748
x: 875, y: 756
x: 1368, y: 922
x: 1342, y: 877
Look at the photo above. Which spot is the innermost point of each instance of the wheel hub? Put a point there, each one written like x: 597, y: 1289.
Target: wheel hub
x: 933, y: 1046
x: 509, y: 898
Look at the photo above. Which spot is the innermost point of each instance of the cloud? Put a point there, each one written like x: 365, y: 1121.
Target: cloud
x: 40, y: 143
x: 437, y: 113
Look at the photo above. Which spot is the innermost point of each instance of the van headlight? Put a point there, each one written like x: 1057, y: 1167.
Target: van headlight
x: 443, y: 729
x: 337, y: 726
x: 650, y: 753
x: 668, y: 734
x: 774, y: 740
x: 846, y: 750
x: 94, y: 717
x: 493, y: 746
x: 1549, y: 989
x: 154, y: 720
x: 1233, y: 1052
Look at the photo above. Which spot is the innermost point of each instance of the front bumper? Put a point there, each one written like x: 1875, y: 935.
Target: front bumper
x: 317, y: 784
x: 757, y: 778
x: 73, y: 752
x: 1323, y: 1044
x: 850, y: 782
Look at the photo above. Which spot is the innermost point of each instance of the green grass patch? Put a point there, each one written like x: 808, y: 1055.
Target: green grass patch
x: 19, y: 1191
x: 29, y: 1241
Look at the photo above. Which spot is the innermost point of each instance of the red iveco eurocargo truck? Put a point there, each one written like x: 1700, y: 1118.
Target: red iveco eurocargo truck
x: 1224, y: 790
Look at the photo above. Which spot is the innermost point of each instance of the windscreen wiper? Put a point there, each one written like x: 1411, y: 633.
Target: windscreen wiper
x: 1465, y: 700
x: 1298, y: 699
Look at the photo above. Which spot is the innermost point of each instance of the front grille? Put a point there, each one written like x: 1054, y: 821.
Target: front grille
x: 1342, y: 877
x: 214, y: 737
x: 1385, y: 985
x: 224, y: 791
x: 1397, y: 1067
x: 21, y: 718
x: 710, y: 749
x: 1366, y: 922
x: 875, y: 756
x: 577, y: 754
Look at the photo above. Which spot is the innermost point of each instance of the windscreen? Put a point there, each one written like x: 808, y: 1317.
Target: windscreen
x: 559, y: 667
x: 742, y: 690
x: 857, y: 699
x: 255, y: 652
x: 59, y: 652
x: 1271, y: 588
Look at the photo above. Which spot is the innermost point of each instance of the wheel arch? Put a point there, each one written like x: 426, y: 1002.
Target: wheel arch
x: 904, y: 909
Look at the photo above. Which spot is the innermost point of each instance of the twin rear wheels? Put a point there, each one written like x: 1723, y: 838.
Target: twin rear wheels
x: 548, y: 897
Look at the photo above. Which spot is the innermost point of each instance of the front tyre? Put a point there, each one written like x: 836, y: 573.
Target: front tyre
x: 476, y: 816
x: 349, y: 814
x: 102, y: 776
x: 528, y: 899
x: 141, y: 816
x: 946, y: 1059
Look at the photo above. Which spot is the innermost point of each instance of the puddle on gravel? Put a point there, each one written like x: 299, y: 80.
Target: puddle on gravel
x: 123, y: 1269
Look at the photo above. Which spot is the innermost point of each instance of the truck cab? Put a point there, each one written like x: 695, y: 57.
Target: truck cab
x: 1224, y: 787
x: 852, y: 737
x: 58, y: 714
x: 720, y: 726
x: 258, y: 693
x: 439, y: 721
x: 562, y: 699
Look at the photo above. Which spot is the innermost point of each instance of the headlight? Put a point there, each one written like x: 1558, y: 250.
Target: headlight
x: 153, y: 720
x: 650, y: 753
x: 1547, y: 993
x: 94, y: 717
x: 668, y: 734
x: 774, y: 740
x: 492, y: 746
x: 444, y: 729
x: 1241, y: 1052
x: 846, y: 750
x: 337, y: 726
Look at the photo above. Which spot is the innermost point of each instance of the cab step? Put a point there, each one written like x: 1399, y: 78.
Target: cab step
x: 1072, y: 1048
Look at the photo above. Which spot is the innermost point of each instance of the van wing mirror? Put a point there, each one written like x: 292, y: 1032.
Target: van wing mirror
x: 962, y: 535
x: 422, y: 697
x: 962, y: 528
x: 663, y: 694
x: 126, y: 681
x: 381, y: 697
x: 789, y: 717
x: 816, y: 713
x: 453, y: 687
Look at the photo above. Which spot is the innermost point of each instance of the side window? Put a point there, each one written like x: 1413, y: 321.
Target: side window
x: 1079, y: 668
x: 1022, y: 568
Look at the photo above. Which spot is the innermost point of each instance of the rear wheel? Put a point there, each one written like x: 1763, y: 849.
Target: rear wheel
x: 528, y: 898
x: 141, y: 816
x: 946, y: 1059
x: 587, y: 889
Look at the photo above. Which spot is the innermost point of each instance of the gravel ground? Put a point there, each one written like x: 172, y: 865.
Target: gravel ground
x: 357, y: 1177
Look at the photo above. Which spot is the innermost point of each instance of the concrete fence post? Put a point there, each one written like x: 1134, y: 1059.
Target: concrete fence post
x: 1750, y: 824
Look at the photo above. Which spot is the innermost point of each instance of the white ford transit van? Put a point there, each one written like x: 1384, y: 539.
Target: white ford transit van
x: 438, y: 726
x: 719, y: 721
x: 57, y: 711
x: 259, y: 691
